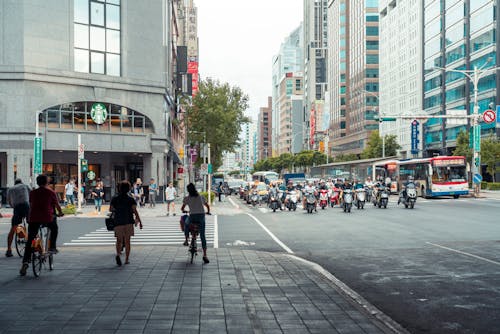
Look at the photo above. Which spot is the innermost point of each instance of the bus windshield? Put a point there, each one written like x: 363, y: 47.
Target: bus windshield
x: 449, y: 174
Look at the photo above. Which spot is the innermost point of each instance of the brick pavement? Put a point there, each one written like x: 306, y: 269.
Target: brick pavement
x: 161, y: 292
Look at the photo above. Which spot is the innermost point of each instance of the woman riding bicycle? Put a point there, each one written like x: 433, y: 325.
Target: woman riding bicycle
x: 197, y: 216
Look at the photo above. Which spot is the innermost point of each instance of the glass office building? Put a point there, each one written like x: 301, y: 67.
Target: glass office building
x: 458, y: 35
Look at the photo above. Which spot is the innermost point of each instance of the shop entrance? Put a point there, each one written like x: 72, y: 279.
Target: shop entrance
x: 135, y: 170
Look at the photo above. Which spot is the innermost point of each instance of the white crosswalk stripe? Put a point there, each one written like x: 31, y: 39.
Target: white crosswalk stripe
x: 153, y: 233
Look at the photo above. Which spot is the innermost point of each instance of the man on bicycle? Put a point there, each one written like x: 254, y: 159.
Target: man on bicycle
x: 43, y: 201
x: 18, y: 198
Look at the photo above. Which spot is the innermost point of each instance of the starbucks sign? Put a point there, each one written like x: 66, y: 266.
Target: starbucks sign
x: 98, y: 113
x: 91, y: 175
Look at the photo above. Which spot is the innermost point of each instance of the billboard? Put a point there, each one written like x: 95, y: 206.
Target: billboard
x: 192, y: 69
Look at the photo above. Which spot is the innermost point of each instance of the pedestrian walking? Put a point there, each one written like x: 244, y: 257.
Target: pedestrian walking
x: 98, y: 195
x: 170, y: 194
x: 69, y: 191
x: 153, y: 191
x: 124, y: 209
x: 18, y: 198
x: 138, y: 192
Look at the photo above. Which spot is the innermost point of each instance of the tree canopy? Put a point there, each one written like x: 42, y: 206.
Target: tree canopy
x: 217, y: 111
x: 374, y: 146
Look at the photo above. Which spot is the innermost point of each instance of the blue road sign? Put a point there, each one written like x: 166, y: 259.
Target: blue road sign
x: 414, y: 136
x: 477, y: 178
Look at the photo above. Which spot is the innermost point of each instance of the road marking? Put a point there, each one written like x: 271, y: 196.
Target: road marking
x: 216, y: 232
x: 464, y: 253
x: 278, y: 241
x: 233, y: 203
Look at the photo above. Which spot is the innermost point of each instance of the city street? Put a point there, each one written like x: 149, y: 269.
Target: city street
x: 434, y: 269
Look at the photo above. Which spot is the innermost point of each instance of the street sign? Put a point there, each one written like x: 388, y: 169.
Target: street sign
x: 489, y: 116
x: 477, y: 138
x: 210, y: 168
x: 204, y: 169
x: 414, y: 136
x: 478, y: 178
x: 38, y: 155
x: 456, y: 117
x: 81, y: 151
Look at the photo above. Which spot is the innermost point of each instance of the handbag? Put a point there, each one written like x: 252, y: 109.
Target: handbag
x: 110, y: 222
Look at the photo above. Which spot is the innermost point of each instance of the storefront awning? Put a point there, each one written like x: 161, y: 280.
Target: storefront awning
x: 175, y: 156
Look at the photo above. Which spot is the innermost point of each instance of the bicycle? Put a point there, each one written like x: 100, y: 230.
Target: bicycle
x: 21, y: 237
x: 40, y: 254
x: 194, y: 231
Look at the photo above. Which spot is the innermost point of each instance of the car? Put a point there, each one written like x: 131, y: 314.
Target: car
x: 263, y: 190
x: 233, y: 186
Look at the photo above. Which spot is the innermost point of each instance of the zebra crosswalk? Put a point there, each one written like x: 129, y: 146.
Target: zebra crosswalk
x: 158, y: 232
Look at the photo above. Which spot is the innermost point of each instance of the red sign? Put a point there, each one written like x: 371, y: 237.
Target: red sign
x: 489, y: 116
x: 180, y: 170
x: 193, y: 70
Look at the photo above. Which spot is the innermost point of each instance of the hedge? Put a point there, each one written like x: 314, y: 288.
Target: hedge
x: 490, y: 185
x: 205, y: 194
x: 69, y: 209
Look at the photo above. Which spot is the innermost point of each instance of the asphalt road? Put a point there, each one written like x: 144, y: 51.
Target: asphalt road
x: 434, y: 269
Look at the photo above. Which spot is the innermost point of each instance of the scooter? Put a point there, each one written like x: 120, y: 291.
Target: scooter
x: 255, y: 198
x: 411, y: 196
x: 369, y: 193
x: 310, y: 201
x: 360, y: 198
x: 323, y: 198
x: 274, y: 202
x: 334, y: 196
x: 291, y: 200
x: 347, y: 200
x: 382, y: 197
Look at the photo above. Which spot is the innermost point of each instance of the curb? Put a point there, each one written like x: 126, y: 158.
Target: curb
x: 391, y: 326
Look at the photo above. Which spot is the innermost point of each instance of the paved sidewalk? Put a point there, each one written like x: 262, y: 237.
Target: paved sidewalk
x: 160, y: 292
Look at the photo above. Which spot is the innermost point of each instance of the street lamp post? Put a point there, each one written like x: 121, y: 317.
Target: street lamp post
x: 474, y: 76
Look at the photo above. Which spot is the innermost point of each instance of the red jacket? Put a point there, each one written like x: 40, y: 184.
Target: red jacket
x: 42, y: 203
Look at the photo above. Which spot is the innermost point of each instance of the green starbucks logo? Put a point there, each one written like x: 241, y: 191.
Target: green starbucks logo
x: 98, y: 113
x: 91, y: 175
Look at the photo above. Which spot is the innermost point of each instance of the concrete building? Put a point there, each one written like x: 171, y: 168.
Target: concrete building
x: 100, y: 69
x: 458, y: 35
x: 265, y: 124
x: 292, y: 127
x: 315, y: 63
x: 290, y: 59
x: 401, y: 68
x: 354, y: 73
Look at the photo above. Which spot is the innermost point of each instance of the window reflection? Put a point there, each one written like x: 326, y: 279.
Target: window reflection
x: 81, y: 36
x: 81, y: 60
x: 113, y: 41
x: 113, y: 64
x: 97, y: 62
x: 81, y: 11
x: 97, y: 13
x: 112, y: 17
x: 97, y: 39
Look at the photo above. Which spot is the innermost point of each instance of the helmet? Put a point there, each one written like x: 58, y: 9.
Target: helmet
x: 410, y: 178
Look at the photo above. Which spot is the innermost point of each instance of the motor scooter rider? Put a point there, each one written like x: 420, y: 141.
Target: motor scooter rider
x: 369, y: 182
x: 377, y: 186
x: 357, y: 184
x: 289, y: 188
x: 273, y: 192
x: 405, y: 185
x: 309, y: 188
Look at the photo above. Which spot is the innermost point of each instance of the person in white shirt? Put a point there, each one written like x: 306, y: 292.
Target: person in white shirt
x: 170, y: 194
x: 69, y: 190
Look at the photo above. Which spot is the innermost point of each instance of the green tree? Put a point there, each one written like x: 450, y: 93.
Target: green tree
x: 218, y: 111
x: 374, y: 146
x: 490, y: 154
x: 463, y: 148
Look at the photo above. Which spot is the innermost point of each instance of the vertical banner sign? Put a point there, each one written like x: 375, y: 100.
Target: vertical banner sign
x: 414, y: 136
x: 477, y: 138
x: 38, y: 158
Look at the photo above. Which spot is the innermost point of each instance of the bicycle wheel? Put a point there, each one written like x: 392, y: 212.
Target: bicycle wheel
x: 36, y: 263
x: 20, y: 245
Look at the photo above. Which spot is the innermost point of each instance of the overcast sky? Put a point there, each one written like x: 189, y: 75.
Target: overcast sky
x: 238, y: 39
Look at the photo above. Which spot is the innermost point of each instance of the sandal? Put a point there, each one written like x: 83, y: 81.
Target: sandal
x: 118, y: 260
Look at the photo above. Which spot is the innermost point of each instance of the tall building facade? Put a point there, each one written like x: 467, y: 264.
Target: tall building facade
x: 265, y: 124
x: 289, y: 59
x: 355, y: 73
x: 315, y: 63
x: 100, y: 69
x: 401, y: 68
x: 458, y: 35
x: 292, y: 128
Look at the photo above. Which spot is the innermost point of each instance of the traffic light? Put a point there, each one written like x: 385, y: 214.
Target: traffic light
x: 84, y: 165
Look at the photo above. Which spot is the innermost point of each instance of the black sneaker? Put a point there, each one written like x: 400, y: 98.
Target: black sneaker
x: 53, y: 251
x: 173, y: 214
x: 205, y: 259
x: 24, y: 267
x: 118, y: 260
x: 8, y: 253
x: 185, y: 243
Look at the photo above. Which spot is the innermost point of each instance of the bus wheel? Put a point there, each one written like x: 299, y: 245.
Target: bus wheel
x: 456, y: 196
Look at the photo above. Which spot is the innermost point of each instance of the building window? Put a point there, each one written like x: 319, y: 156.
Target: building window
x: 97, y: 33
